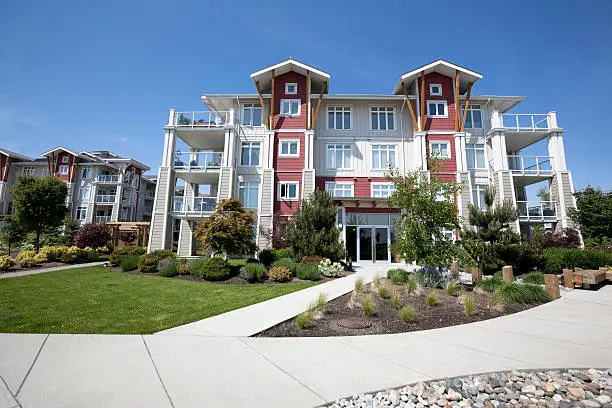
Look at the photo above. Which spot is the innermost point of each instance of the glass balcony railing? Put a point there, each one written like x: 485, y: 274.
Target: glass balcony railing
x: 530, y: 165
x: 525, y: 121
x: 198, y: 160
x: 201, y: 119
x: 537, y: 210
x: 107, y: 179
x: 195, y: 206
x: 106, y: 199
x: 102, y: 218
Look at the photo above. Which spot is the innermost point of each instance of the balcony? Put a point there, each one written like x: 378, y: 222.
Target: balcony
x: 107, y: 179
x: 102, y: 218
x: 530, y: 169
x: 201, y: 120
x: 198, y: 161
x: 524, y: 129
x: 537, y: 211
x: 196, y: 207
x: 106, y: 199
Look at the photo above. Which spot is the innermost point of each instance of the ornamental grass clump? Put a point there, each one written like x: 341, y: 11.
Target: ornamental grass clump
x: 368, y: 306
x: 406, y: 314
x: 395, y: 299
x: 254, y: 272
x: 468, y: 304
x: 383, y: 292
x: 358, y: 284
x: 130, y: 263
x: 321, y: 303
x: 411, y: 284
x: 516, y: 293
x: 398, y: 275
x: 535, y: 278
x: 309, y: 272
x: 451, y: 287
x: 304, y: 319
x: 376, y: 280
x: 432, y: 298
x: 490, y: 284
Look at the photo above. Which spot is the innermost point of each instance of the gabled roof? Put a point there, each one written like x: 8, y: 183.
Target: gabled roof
x: 15, y: 155
x: 317, y: 77
x: 443, y: 67
x: 62, y: 148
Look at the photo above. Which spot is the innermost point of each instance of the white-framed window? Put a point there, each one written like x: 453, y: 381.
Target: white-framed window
x: 288, y: 190
x: 29, y: 170
x: 441, y: 149
x: 382, y: 118
x: 289, y: 148
x: 448, y: 235
x: 250, y: 153
x: 437, y: 109
x: 475, y: 154
x: 444, y: 197
x: 63, y: 169
x: 478, y: 196
x: 339, y: 117
x: 339, y: 189
x: 473, y: 119
x: 86, y: 172
x: 252, y: 114
x: 84, y: 193
x: 435, y: 89
x: 382, y: 190
x: 339, y: 156
x: 248, y: 192
x: 290, y: 107
x: 81, y: 212
x: 383, y: 156
x: 291, y: 88
x: 64, y: 159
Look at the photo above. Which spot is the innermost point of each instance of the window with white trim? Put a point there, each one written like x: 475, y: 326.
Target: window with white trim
x: 86, y: 172
x: 475, y: 155
x: 288, y: 190
x: 252, y: 114
x: 448, y: 235
x: 383, y: 156
x: 64, y: 159
x: 336, y: 189
x: 435, y: 89
x: 29, y: 170
x: 81, y: 212
x: 473, y: 118
x: 437, y: 109
x: 291, y: 88
x: 63, y: 169
x: 250, y: 153
x: 339, y: 117
x: 289, y: 148
x: 478, y: 196
x: 84, y: 193
x: 339, y: 156
x: 382, y: 190
x: 248, y: 192
x: 382, y: 118
x: 290, y: 107
x: 440, y: 149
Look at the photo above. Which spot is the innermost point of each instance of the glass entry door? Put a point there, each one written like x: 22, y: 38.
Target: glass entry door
x: 381, y: 244
x: 373, y: 244
x: 365, y: 243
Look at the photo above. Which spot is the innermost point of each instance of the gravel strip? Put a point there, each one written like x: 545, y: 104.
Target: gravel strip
x: 550, y: 388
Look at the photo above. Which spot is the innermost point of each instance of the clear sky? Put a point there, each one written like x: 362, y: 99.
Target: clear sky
x: 103, y: 76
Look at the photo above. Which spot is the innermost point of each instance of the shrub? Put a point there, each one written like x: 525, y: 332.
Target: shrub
x: 119, y: 253
x: 432, y: 277
x: 358, y: 284
x: 554, y: 260
x: 368, y: 306
x: 411, y: 284
x: 383, y: 292
x: 536, y: 278
x: 468, y: 304
x: 129, y: 263
x: 93, y: 235
x: 53, y: 253
x: 104, y: 250
x: 29, y: 258
x: 490, y: 284
x: 253, y: 272
x: 406, y: 314
x: 286, y: 263
x: 266, y: 256
x: 149, y: 262
x: 252, y: 260
x: 215, y: 269
x: 331, y: 270
x: 92, y: 255
x: 321, y: 303
x: 516, y: 293
x: 308, y: 272
x: 280, y: 274
x: 432, y: 298
x: 6, y: 262
x: 304, y: 319
x: 311, y: 259
x: 181, y: 266
x: 398, y: 275
x: 168, y: 267
x: 451, y: 287
x: 74, y: 253
x: 281, y: 253
x: 395, y: 299
x: 194, y: 267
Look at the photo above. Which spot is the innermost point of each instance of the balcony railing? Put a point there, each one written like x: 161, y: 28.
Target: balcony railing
x: 537, y: 210
x: 107, y: 179
x: 103, y: 218
x: 195, y: 206
x: 202, y: 119
x: 525, y: 121
x: 530, y: 165
x: 106, y: 199
x: 198, y: 160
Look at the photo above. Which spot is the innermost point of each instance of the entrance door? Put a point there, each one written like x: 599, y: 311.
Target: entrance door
x: 373, y: 244
x: 365, y: 244
x: 381, y: 244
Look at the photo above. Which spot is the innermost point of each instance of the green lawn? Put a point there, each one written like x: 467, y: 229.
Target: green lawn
x: 97, y: 300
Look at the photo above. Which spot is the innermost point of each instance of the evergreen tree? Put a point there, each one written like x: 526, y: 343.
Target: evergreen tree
x: 313, y: 230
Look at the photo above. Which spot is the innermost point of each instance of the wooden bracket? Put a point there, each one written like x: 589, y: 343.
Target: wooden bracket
x: 422, y: 101
x: 412, y: 115
x: 316, y: 112
x: 465, y: 108
x: 457, y: 127
x: 272, y: 104
x: 263, y: 107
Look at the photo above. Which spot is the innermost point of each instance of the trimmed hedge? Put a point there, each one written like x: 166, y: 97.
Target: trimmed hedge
x: 119, y: 253
x: 130, y: 263
x: 149, y: 262
x: 554, y: 260
x: 215, y: 269
x: 308, y: 272
x: 254, y: 272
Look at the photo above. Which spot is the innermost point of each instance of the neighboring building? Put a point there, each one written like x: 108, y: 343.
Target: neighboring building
x: 273, y: 148
x: 102, y: 186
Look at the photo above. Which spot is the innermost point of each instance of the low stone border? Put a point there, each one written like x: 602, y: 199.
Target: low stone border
x: 526, y: 388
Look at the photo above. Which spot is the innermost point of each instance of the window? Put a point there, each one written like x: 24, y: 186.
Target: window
x: 473, y: 119
x: 383, y: 156
x: 252, y: 114
x: 86, y: 173
x: 382, y: 190
x: 29, y: 170
x: 475, y: 154
x: 291, y: 88
x: 289, y: 148
x: 339, y: 189
x: 288, y: 190
x: 339, y: 156
x: 248, y: 192
x: 441, y: 149
x: 250, y: 153
x: 84, y: 193
x: 435, y: 89
x: 45, y: 172
x: 478, y: 196
x: 339, y: 117
x: 290, y: 107
x: 382, y: 118
x: 448, y: 235
x: 63, y: 169
x: 437, y: 109
x: 81, y: 213
x: 65, y: 159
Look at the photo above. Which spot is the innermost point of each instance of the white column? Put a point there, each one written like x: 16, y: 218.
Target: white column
x: 498, y: 146
x: 186, y: 237
x: 556, y: 150
x: 420, y: 151
x: 460, y: 151
x: 169, y: 148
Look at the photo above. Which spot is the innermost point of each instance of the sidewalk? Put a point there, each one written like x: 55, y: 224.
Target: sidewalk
x: 200, y: 371
x: 43, y: 270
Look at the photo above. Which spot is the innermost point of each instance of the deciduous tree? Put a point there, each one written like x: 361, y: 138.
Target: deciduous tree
x: 593, y: 214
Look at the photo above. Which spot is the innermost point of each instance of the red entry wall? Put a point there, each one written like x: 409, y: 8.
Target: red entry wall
x: 448, y: 95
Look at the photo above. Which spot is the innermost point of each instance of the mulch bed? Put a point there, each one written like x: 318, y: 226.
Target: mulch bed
x: 447, y: 313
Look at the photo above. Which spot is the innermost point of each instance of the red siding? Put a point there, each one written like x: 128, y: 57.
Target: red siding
x: 373, y: 210
x: 59, y: 157
x: 287, y: 207
x: 288, y: 163
x: 285, y: 122
x: 448, y: 95
x: 448, y: 165
x: 361, y: 185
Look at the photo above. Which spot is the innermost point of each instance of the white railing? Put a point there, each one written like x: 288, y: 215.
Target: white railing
x: 103, y: 218
x: 202, y: 119
x: 198, y: 160
x: 108, y: 179
x: 526, y: 121
x: 195, y: 206
x: 530, y: 165
x: 537, y: 210
x: 105, y: 199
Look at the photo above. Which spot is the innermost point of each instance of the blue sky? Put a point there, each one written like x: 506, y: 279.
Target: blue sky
x: 104, y: 75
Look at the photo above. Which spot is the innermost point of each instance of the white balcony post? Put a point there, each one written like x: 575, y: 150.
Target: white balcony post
x: 496, y: 120
x: 172, y: 118
x: 169, y: 147
x: 552, y: 120
x: 232, y: 117
x: 556, y: 151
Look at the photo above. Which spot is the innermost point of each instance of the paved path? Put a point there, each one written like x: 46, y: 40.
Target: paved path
x: 43, y: 270
x: 202, y: 371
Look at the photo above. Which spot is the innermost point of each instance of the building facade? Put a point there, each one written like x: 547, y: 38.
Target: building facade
x: 274, y: 147
x: 102, y: 186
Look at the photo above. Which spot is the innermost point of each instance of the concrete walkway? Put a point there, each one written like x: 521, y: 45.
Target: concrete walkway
x: 202, y: 371
x: 43, y: 270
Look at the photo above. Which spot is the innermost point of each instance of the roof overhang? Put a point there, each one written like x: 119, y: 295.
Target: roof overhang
x: 18, y: 156
x: 497, y: 103
x: 223, y: 103
x: 443, y: 67
x: 129, y: 162
x: 264, y: 76
x: 59, y: 148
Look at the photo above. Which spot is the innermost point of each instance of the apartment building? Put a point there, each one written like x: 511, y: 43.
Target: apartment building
x: 272, y: 148
x: 102, y: 186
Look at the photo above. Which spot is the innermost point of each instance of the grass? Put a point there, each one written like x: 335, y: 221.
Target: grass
x: 536, y: 278
x: 468, y: 304
x: 396, y: 300
x: 358, y: 284
x: 406, y: 314
x: 451, y: 287
x: 515, y: 293
x: 304, y: 319
x: 383, y: 292
x: 321, y: 303
x: 368, y: 306
x: 491, y: 284
x: 376, y: 280
x: 98, y: 300
x: 432, y: 298
x: 411, y: 285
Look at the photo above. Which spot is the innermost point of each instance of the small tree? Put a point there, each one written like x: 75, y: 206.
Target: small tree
x: 11, y: 233
x: 593, y: 214
x: 39, y: 204
x: 313, y: 230
x: 93, y: 235
x: 229, y: 231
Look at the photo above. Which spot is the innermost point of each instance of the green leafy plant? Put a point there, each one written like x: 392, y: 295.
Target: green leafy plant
x: 490, y: 284
x: 281, y: 253
x: 536, y: 278
x: 254, y: 272
x: 279, y: 274
x: 433, y: 299
x: 129, y: 263
x: 468, y: 304
x: 383, y: 292
x: 119, y: 253
x: 398, y: 275
x: 266, y: 257
x: 406, y: 314
x: 554, y: 260
x: 194, y: 267
x: 593, y: 214
x: 331, y: 269
x: 432, y: 277
x: 396, y: 299
x: 304, y: 319
x: 215, y: 269
x: 285, y: 262
x: 358, y: 284
x: 368, y: 306
x: 168, y: 268
x: 308, y: 272
x: 12, y: 233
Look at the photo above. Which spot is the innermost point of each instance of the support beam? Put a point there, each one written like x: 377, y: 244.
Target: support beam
x: 457, y: 128
x: 412, y: 115
x: 308, y: 115
x: 316, y: 112
x: 422, y: 100
x: 272, y: 104
x: 263, y: 107
x: 465, y: 108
